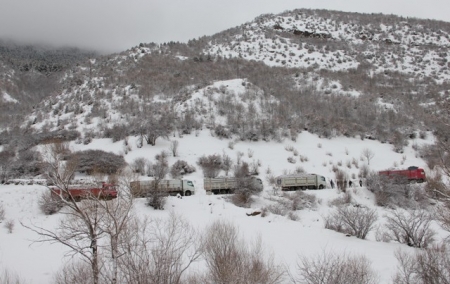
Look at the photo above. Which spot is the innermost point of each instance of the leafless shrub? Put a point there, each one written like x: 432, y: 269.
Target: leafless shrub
x: 291, y: 160
x: 348, y: 164
x: 329, y: 154
x: 411, y: 228
x: 319, y: 145
x: 303, y: 158
x: 254, y: 167
x: 242, y: 198
x: 353, y: 220
x: 9, y: 225
x: 49, y: 203
x: 180, y: 168
x: 355, y: 163
x: 299, y: 170
x: 436, y: 188
x: 279, y: 208
x: 289, y: 148
x: 293, y: 216
x: 381, y: 235
x: 231, y: 260
x: 211, y: 165
x: 77, y: 272
x: 431, y: 265
x: 157, y: 250
x: 8, y: 277
x: 227, y: 163
x: 300, y: 200
x: 250, y: 153
x: 295, y: 153
x: 343, y: 199
x: 231, y: 145
x: 139, y: 164
x: 334, y: 268
x: 2, y: 213
x: 364, y: 171
x: 396, y: 192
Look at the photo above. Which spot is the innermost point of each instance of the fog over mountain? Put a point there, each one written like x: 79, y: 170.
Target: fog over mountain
x: 113, y: 26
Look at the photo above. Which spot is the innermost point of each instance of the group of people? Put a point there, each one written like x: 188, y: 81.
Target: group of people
x: 344, y: 182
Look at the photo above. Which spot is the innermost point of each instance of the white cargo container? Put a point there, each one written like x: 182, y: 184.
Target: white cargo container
x: 301, y: 181
x: 221, y: 185
x: 170, y: 186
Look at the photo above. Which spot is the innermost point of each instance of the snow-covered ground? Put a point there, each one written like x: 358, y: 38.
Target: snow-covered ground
x: 286, y: 239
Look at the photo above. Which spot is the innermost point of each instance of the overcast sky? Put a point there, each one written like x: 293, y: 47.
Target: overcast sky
x: 117, y: 25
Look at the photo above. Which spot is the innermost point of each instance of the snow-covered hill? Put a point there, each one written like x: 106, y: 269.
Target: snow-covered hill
x: 285, y: 238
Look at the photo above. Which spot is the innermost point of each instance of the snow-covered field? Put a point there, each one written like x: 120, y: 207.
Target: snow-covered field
x: 286, y: 239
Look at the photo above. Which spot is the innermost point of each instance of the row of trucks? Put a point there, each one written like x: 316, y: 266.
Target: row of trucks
x: 220, y: 185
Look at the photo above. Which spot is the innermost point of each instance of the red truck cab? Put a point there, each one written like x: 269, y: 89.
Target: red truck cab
x: 412, y: 174
x: 79, y: 192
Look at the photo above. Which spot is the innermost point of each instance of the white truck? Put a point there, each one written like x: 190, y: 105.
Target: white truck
x: 221, y: 185
x: 301, y: 181
x: 170, y: 186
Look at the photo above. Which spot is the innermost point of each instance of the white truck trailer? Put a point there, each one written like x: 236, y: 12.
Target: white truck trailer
x: 301, y: 181
x: 221, y: 185
x: 169, y: 186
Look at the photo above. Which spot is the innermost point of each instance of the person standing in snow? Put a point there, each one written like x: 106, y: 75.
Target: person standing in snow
x: 331, y: 183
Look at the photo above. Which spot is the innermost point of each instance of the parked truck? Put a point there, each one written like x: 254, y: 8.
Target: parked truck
x: 223, y: 185
x: 85, y: 191
x: 301, y: 181
x: 169, y: 187
x: 411, y: 174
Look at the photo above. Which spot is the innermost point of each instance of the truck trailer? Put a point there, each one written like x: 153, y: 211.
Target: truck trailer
x: 411, y: 174
x: 169, y: 186
x: 301, y: 181
x: 224, y: 185
x: 83, y: 191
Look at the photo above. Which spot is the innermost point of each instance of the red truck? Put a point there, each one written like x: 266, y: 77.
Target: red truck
x: 79, y: 192
x: 412, y: 174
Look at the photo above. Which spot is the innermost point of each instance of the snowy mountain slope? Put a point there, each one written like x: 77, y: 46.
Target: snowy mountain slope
x: 304, y: 38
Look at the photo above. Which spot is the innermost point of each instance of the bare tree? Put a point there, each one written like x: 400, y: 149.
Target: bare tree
x: 368, y: 154
x: 174, y: 147
x: 155, y: 127
x: 80, y: 230
x: 227, y: 163
x: 334, y: 268
x: 158, y: 250
x: 117, y: 215
x: 156, y: 197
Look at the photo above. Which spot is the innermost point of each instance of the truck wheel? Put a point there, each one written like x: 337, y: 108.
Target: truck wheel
x: 321, y: 186
x: 187, y: 193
